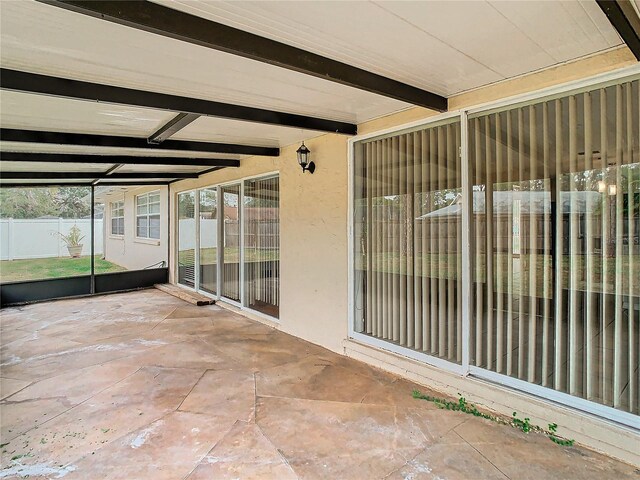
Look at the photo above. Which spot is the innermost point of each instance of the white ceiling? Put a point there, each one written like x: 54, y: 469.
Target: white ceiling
x: 48, y: 167
x: 80, y: 149
x: 443, y: 46
x: 160, y: 168
x: 232, y: 131
x: 45, y: 39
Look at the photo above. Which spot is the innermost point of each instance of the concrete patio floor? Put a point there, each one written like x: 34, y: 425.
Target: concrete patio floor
x: 145, y: 386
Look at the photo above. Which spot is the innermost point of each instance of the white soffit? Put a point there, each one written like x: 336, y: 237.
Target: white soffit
x: 44, y: 39
x: 231, y: 131
x: 443, y: 46
x: 89, y: 150
x: 45, y: 181
x: 41, y: 112
x: 40, y: 167
x: 129, y: 168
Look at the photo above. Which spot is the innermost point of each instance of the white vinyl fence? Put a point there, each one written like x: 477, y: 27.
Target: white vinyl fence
x: 36, y: 238
x: 187, y: 233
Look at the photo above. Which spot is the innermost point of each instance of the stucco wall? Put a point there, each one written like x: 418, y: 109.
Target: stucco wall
x: 127, y: 250
x: 313, y: 272
x: 314, y: 244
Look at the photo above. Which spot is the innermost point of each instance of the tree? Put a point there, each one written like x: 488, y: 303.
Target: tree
x: 72, y: 202
x: 65, y: 202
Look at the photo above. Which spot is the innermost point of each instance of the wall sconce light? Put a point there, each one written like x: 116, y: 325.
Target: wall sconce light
x: 604, y: 187
x: 303, y: 159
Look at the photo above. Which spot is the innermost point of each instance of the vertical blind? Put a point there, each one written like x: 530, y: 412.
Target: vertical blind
x: 231, y: 242
x: 208, y: 213
x: 408, y: 240
x: 186, y: 239
x: 209, y: 242
x: 262, y: 245
x: 555, y: 242
x: 556, y: 188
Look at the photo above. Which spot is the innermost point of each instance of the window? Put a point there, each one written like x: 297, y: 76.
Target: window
x: 408, y: 240
x: 556, y: 296
x: 262, y: 245
x: 228, y: 242
x: 186, y: 239
x: 148, y: 215
x: 117, y: 218
x: 552, y: 213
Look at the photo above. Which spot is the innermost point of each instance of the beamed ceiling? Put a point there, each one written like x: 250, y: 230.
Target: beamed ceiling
x: 142, y: 92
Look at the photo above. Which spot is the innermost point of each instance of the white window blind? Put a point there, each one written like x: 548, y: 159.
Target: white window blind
x: 231, y: 242
x: 408, y: 240
x: 208, y: 229
x: 262, y: 245
x: 556, y: 284
x: 186, y: 239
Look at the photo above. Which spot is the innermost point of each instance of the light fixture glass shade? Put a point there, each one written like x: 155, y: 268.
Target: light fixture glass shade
x: 602, y: 186
x: 303, y: 155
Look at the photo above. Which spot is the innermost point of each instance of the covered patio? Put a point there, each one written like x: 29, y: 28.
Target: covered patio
x: 373, y: 193
x: 144, y: 385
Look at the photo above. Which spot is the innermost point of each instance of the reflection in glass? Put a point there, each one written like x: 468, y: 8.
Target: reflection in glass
x: 231, y: 242
x: 186, y: 239
x: 262, y: 245
x: 556, y: 240
x: 208, y: 211
x: 408, y: 240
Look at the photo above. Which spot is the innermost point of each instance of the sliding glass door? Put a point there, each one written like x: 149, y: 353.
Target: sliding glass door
x: 408, y: 240
x: 186, y: 239
x: 231, y: 242
x: 228, y: 242
x: 262, y: 245
x: 548, y: 195
x: 208, y: 239
x: 556, y: 289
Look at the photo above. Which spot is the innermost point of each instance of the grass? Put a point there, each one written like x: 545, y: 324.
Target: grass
x: 444, y: 266
x: 231, y: 255
x: 57, y: 267
x: 521, y: 424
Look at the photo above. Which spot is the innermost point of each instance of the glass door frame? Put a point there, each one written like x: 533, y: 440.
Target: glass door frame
x: 466, y: 369
x: 220, y: 251
x: 196, y: 248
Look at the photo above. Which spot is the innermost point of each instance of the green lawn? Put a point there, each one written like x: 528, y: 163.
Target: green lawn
x: 57, y: 267
x: 445, y: 266
x: 231, y: 255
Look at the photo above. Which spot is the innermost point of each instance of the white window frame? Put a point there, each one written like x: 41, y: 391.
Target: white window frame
x: 465, y: 369
x: 218, y: 186
x: 114, y: 207
x: 147, y: 215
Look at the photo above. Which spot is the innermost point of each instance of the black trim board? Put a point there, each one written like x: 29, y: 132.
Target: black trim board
x: 19, y: 293
x: 116, y: 159
x: 39, y: 290
x: 86, y: 139
x: 624, y: 19
x: 133, y: 183
x: 94, y: 175
x: 173, y: 126
x: 118, y: 281
x: 67, y: 88
x: 171, y: 23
